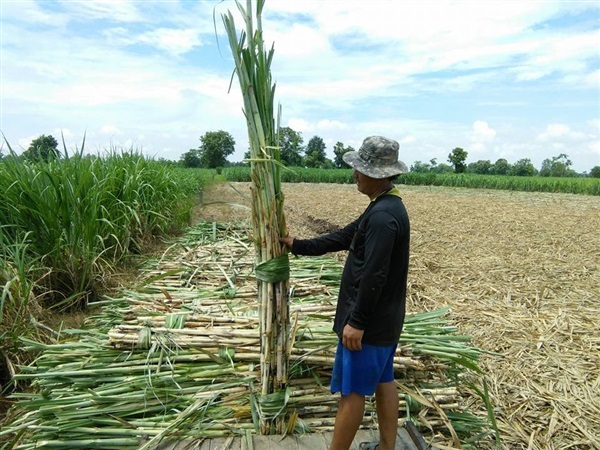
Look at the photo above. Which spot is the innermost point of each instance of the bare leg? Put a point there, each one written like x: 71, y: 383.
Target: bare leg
x: 351, y: 409
x: 386, y: 401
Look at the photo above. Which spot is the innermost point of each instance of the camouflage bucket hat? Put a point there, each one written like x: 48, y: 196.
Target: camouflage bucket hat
x: 377, y: 158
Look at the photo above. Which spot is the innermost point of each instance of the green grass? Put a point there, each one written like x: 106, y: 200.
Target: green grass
x: 84, y: 215
x: 67, y: 225
x: 578, y: 185
x: 296, y: 175
x: 17, y: 299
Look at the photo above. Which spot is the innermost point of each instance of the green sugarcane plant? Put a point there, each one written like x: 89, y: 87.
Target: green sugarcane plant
x: 253, y: 68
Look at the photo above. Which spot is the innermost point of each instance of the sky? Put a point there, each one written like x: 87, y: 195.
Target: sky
x: 501, y: 79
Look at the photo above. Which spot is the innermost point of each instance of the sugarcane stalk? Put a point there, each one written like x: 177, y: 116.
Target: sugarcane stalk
x: 252, y: 66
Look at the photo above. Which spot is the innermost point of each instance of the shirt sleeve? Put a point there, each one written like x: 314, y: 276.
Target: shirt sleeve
x: 333, y: 242
x: 381, y: 232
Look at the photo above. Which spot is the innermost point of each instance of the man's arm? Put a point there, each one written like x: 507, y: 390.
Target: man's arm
x: 331, y: 242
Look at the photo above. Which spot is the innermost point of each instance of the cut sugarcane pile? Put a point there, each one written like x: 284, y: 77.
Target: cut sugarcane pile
x: 179, y: 357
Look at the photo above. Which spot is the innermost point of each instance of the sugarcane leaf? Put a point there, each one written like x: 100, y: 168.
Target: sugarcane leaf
x: 212, y: 356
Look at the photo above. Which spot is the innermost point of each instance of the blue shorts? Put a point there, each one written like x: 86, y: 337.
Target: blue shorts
x: 361, y: 371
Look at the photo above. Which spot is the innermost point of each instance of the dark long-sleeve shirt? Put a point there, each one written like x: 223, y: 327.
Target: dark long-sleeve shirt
x: 372, y: 293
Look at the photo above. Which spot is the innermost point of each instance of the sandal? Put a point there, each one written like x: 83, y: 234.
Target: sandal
x: 368, y: 445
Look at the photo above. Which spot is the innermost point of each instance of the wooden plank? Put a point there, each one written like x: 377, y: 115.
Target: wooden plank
x: 203, y: 444
x: 229, y: 443
x: 404, y: 441
x: 309, y: 441
x: 363, y: 436
x: 269, y: 442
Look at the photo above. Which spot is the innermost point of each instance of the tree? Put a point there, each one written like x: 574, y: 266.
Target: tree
x: 420, y: 167
x: 595, y: 172
x: 558, y: 166
x: 166, y: 162
x: 500, y: 167
x: 216, y: 147
x: 290, y: 142
x: 481, y: 167
x: 191, y: 158
x: 315, y: 153
x: 457, y: 157
x: 42, y: 148
x: 338, y: 151
x: 442, y: 168
x: 523, y: 168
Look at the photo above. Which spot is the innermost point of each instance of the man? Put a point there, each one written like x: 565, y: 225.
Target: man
x: 371, y: 302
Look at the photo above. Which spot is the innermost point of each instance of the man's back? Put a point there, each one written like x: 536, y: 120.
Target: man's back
x: 373, y: 289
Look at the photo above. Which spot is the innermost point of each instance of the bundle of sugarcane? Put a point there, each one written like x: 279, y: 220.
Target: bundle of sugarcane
x: 158, y: 389
x: 252, y: 66
x: 313, y: 342
x: 89, y: 395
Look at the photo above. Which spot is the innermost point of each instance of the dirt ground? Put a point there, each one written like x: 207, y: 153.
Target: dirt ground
x: 521, y: 272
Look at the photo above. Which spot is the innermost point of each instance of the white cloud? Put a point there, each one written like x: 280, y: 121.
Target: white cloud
x: 415, y: 38
x: 297, y: 41
x: 171, y: 40
x: 594, y: 147
x: 555, y: 131
x: 329, y: 125
x: 482, y: 134
x: 595, y: 124
x: 114, y: 10
x: 592, y: 79
x: 110, y: 130
x: 64, y: 132
x: 299, y: 125
x: 482, y: 131
x: 31, y: 12
x: 25, y: 142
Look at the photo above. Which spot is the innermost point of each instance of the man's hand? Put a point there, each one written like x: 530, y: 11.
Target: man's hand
x: 288, y: 241
x: 352, y: 338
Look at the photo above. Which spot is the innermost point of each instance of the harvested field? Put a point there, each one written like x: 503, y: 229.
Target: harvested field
x: 521, y: 274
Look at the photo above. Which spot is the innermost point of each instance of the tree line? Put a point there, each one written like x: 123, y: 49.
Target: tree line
x: 557, y: 166
x: 216, y: 146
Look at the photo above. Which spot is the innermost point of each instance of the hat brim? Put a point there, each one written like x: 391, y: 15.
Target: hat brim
x: 378, y: 172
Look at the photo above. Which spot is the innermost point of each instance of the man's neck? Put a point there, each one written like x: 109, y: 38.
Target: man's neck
x: 386, y: 186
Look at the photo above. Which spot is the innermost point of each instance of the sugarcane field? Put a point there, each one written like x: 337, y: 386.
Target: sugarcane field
x: 499, y: 349
x: 150, y: 304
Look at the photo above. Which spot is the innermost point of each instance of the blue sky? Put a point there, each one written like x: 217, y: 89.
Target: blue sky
x: 501, y: 79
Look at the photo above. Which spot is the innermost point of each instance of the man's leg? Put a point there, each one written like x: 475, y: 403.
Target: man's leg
x: 351, y: 409
x: 386, y: 401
